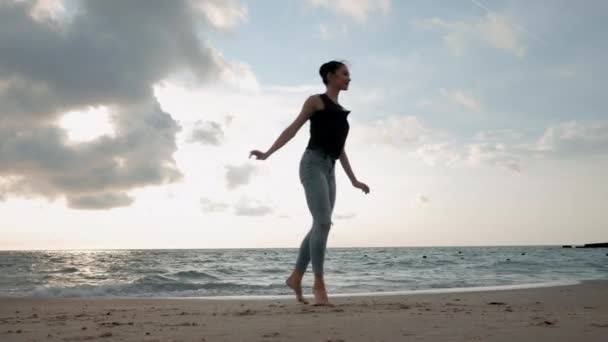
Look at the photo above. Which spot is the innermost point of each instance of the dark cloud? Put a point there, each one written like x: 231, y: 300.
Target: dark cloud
x: 99, y: 201
x: 105, y: 53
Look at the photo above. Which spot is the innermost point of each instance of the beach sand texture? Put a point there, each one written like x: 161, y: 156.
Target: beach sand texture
x: 560, y: 313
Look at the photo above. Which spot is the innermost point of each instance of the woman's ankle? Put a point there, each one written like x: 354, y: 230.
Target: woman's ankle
x: 318, y: 286
x: 296, y: 275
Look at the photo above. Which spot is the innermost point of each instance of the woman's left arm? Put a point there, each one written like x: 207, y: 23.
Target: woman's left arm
x: 349, y: 172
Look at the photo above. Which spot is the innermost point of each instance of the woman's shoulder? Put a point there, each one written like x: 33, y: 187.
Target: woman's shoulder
x: 315, y: 102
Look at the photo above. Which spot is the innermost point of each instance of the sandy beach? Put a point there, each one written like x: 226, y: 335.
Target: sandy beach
x: 560, y: 313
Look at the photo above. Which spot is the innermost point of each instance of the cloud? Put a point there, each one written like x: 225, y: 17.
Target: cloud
x: 509, y: 148
x: 498, y: 135
x: 238, y: 175
x: 414, y: 138
x: 207, y: 133
x: 99, y: 201
x: 47, y: 9
x: 357, y: 9
x: 493, y: 30
x: 396, y: 130
x: 210, y: 206
x: 222, y: 14
x: 421, y: 199
x: 108, y: 54
x: 496, y: 154
x: 140, y: 154
x: 504, y: 148
x: 236, y: 74
x: 87, y: 125
x: 440, y: 153
x: 462, y: 98
x: 574, y: 138
x: 436, y: 148
x: 250, y: 207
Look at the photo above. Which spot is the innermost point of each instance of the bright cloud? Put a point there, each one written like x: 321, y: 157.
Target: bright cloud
x: 493, y: 30
x: 396, y: 130
x: 493, y: 154
x: 87, y: 125
x: 357, y: 9
x: 440, y: 153
x: 222, y: 14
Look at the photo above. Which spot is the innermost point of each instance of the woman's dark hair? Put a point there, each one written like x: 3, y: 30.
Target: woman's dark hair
x: 328, y: 67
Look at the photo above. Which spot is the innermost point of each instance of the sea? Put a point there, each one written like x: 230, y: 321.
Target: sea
x: 223, y: 273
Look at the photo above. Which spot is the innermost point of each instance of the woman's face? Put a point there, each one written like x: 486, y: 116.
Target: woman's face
x: 340, y: 78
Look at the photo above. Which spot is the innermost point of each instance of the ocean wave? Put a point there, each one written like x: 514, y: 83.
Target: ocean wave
x: 239, y: 272
x: 513, y: 263
x: 274, y: 270
x: 228, y: 270
x: 65, y: 270
x: 154, y: 279
x: 149, y: 271
x: 150, y: 288
x: 194, y: 275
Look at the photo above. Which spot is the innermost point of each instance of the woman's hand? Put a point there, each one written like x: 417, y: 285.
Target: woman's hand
x: 362, y: 186
x: 258, y: 155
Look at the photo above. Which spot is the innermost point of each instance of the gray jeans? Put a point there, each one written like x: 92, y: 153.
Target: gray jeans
x: 318, y: 178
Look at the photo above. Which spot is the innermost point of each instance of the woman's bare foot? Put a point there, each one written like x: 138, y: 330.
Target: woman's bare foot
x: 296, y: 285
x: 321, y: 296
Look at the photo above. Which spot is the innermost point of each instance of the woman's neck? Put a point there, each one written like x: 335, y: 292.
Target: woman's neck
x: 333, y: 94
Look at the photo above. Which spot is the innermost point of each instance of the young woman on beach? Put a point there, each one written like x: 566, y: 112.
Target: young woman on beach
x: 328, y: 131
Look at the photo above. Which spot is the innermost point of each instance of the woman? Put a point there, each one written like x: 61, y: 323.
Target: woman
x: 328, y: 131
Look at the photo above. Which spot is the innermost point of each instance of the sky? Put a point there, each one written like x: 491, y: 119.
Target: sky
x: 128, y: 124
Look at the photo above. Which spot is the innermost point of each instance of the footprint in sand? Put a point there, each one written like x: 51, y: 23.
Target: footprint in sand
x: 546, y: 323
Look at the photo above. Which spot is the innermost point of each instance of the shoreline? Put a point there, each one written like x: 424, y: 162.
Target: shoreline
x: 402, y: 292
x: 542, y: 284
x: 558, y: 313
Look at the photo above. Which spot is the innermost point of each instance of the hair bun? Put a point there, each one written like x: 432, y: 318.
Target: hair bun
x: 328, y: 67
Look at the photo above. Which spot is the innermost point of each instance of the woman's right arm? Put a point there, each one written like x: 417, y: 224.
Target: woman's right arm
x: 310, y: 105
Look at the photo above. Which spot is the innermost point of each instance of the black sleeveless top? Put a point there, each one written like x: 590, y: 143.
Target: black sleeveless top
x: 329, y: 128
